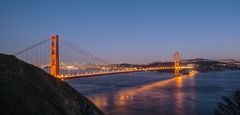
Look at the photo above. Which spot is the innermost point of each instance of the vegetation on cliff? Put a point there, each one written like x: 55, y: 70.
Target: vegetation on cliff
x: 230, y: 105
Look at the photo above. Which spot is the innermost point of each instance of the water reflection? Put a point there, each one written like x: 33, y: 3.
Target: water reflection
x: 151, y: 98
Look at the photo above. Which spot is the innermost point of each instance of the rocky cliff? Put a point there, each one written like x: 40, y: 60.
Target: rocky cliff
x: 28, y: 90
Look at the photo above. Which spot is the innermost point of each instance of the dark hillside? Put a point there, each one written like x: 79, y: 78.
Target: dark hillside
x: 27, y: 90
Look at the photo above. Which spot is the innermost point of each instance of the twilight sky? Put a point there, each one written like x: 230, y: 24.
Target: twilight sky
x: 133, y: 31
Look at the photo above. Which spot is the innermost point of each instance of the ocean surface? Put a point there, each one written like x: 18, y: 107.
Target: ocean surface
x: 153, y: 93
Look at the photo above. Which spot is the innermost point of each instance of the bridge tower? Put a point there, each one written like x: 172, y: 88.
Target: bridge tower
x: 176, y: 64
x: 54, y: 56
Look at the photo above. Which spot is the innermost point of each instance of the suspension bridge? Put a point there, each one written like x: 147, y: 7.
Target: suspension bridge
x: 64, y: 60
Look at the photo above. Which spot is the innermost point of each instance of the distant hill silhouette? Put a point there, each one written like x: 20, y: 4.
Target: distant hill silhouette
x: 28, y: 90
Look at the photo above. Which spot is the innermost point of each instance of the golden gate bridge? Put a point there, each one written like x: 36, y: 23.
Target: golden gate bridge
x: 39, y: 54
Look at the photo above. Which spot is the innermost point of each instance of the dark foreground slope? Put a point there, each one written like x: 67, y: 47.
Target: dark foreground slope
x: 27, y: 90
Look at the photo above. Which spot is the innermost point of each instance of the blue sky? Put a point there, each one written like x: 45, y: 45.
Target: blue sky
x: 133, y: 31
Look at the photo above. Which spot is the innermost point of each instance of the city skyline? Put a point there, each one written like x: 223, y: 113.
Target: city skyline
x: 126, y: 31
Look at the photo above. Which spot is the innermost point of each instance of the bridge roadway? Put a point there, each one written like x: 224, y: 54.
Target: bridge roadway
x: 128, y: 70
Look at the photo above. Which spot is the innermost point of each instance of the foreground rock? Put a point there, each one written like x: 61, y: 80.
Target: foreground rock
x: 27, y: 90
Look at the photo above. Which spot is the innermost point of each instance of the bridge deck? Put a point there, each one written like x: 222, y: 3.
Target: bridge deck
x: 72, y: 76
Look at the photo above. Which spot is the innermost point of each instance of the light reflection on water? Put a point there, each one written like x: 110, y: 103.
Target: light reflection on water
x: 154, y: 94
x: 136, y: 100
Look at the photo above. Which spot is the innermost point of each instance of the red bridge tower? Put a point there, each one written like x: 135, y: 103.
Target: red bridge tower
x: 176, y: 64
x: 54, y: 56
